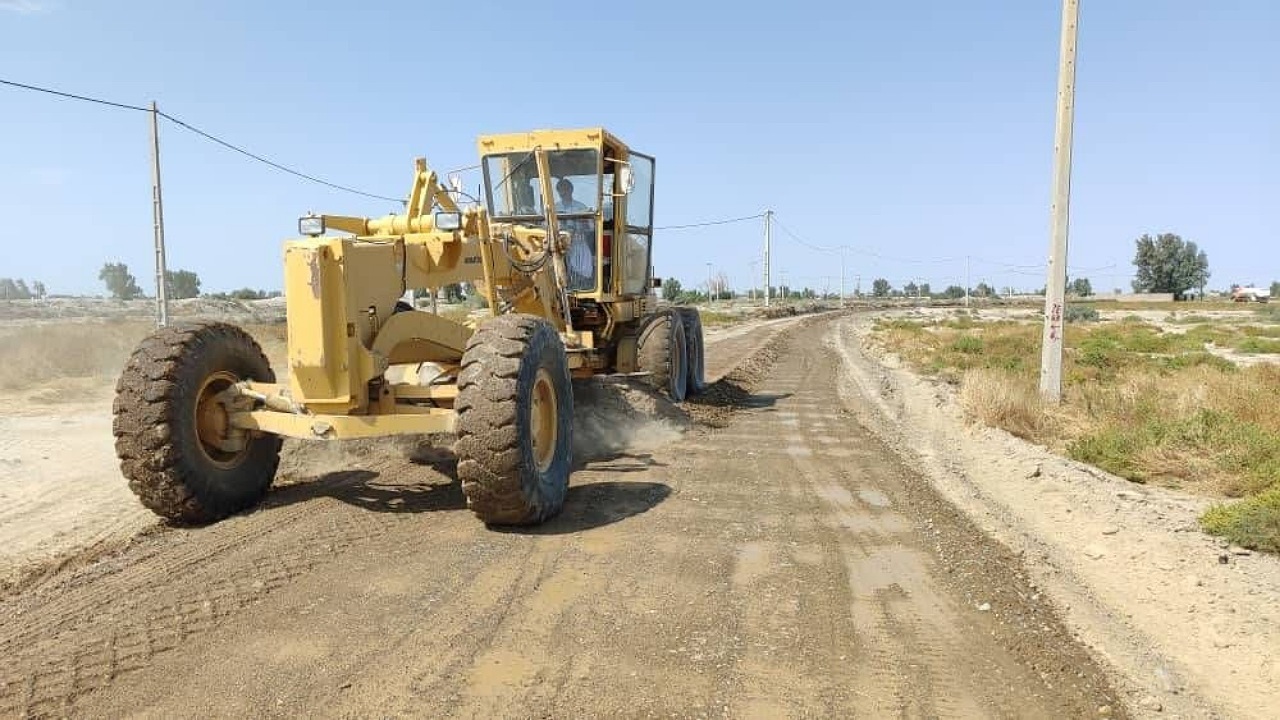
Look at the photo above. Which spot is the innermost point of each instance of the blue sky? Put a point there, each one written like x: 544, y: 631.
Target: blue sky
x: 917, y: 132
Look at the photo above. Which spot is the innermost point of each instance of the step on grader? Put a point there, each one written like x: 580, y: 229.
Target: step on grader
x: 559, y: 248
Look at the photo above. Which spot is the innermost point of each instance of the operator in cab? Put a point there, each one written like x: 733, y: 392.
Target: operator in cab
x: 582, y: 257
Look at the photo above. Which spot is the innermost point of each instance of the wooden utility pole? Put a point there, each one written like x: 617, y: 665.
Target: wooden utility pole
x: 1056, y: 288
x: 157, y: 216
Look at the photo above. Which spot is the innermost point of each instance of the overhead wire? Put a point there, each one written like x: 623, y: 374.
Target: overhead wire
x: 209, y: 136
x: 708, y: 223
x: 855, y: 249
x: 272, y: 163
x: 73, y: 96
x: 1012, y: 268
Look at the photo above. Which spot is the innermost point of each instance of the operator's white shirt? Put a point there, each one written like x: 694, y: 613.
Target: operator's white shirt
x: 581, y: 260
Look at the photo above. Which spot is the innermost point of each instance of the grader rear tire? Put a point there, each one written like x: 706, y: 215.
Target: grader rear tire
x: 515, y: 421
x: 171, y: 433
x: 697, y: 363
x: 661, y: 352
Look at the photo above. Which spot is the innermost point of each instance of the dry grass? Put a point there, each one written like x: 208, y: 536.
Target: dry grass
x: 1198, y: 428
x: 1150, y: 406
x: 60, y: 361
x: 38, y: 354
x: 998, y: 400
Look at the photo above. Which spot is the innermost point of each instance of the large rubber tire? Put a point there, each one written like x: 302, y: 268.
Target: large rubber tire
x: 697, y: 362
x: 169, y: 383
x: 514, y: 466
x: 661, y: 352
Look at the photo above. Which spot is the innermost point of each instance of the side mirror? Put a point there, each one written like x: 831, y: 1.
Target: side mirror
x: 448, y: 220
x: 626, y: 178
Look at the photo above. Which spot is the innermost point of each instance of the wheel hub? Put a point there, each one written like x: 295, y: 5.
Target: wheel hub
x: 543, y: 425
x: 220, y: 441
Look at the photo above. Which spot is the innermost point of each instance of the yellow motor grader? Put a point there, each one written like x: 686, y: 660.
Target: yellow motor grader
x: 560, y: 251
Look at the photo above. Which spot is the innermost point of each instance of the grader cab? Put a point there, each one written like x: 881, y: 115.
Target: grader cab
x: 559, y: 249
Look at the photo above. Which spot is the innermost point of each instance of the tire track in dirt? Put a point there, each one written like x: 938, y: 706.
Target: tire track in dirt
x: 54, y: 636
x: 755, y: 570
x: 55, y: 639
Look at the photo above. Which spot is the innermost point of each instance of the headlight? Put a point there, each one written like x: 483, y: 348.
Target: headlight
x: 448, y: 220
x: 311, y: 225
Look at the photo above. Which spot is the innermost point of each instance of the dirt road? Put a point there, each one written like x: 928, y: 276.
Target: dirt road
x: 776, y: 562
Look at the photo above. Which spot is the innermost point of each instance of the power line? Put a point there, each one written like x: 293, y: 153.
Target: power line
x: 861, y: 251
x: 202, y: 133
x: 272, y: 163
x: 709, y: 222
x: 800, y: 240
x: 73, y: 96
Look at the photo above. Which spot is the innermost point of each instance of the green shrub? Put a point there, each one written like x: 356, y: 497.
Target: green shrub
x: 968, y: 344
x: 1257, y: 345
x: 1081, y: 313
x: 1195, y: 359
x: 1253, y: 523
x: 1112, y: 449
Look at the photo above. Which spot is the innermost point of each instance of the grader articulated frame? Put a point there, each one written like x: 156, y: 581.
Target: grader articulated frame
x: 199, y: 413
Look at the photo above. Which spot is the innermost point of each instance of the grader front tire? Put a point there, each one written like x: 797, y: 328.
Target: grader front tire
x: 176, y: 448
x: 515, y: 421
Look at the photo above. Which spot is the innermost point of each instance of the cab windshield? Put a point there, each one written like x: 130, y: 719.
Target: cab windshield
x: 515, y: 192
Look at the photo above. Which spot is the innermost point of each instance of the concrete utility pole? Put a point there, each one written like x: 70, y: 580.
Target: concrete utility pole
x: 786, y: 291
x: 768, y: 279
x: 157, y: 215
x: 966, y: 281
x: 710, y: 293
x: 842, y: 277
x: 1055, y: 289
x: 754, y: 263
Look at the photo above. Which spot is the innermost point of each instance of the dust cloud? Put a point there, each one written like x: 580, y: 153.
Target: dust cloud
x: 613, y: 417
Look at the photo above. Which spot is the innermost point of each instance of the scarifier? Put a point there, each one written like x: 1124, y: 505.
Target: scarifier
x: 565, y: 270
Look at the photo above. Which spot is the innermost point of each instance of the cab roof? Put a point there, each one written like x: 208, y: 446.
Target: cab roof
x: 550, y: 139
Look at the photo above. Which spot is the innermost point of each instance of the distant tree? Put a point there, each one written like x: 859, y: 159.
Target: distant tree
x: 1275, y: 289
x: 719, y: 288
x: 881, y: 287
x: 671, y: 289
x: 247, y: 294
x: 953, y: 292
x: 910, y: 289
x: 1081, y: 287
x: 925, y: 291
x: 24, y: 293
x: 120, y: 283
x: 38, y: 288
x: 182, y: 284
x: 9, y: 290
x: 984, y: 290
x: 1168, y: 264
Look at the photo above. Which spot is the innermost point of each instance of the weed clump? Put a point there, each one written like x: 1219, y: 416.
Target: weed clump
x: 1253, y: 523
